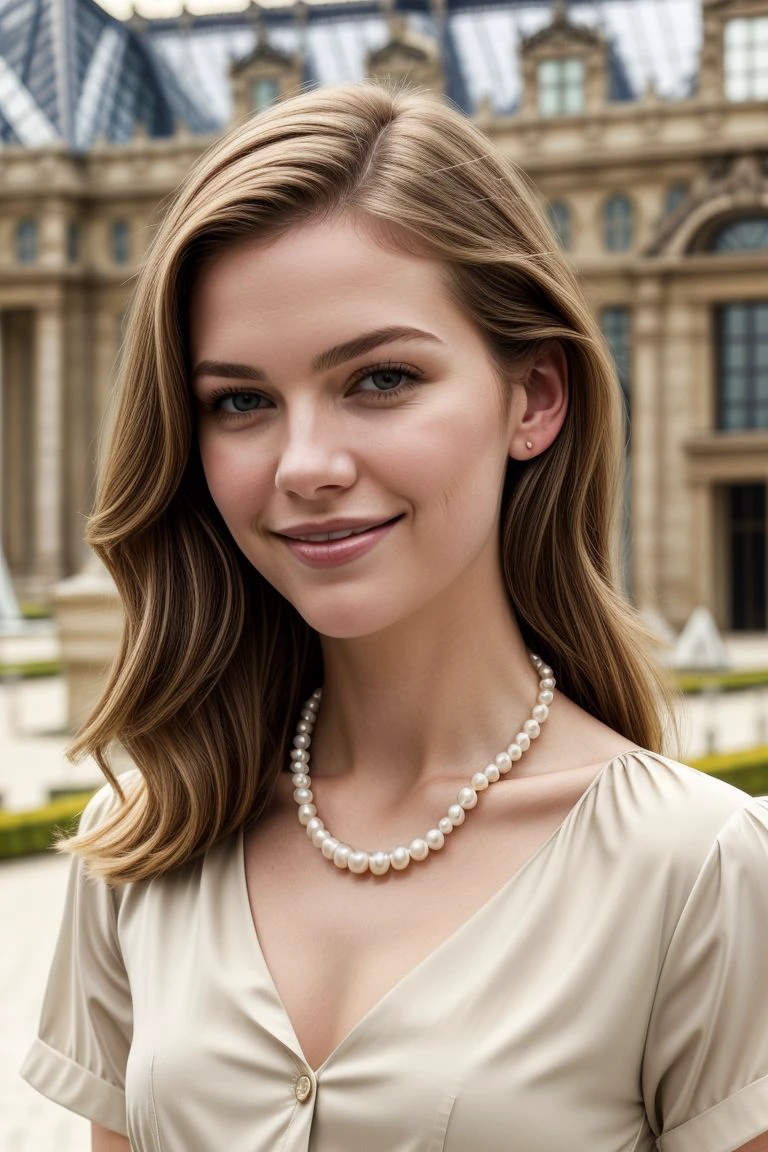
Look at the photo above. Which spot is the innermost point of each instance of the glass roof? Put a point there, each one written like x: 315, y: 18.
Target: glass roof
x: 69, y: 70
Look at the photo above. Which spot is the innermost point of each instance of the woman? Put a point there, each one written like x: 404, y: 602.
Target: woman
x: 360, y: 487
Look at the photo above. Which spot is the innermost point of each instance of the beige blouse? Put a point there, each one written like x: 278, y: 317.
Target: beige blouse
x: 611, y: 997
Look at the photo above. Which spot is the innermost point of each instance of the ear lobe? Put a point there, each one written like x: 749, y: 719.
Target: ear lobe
x: 546, y: 404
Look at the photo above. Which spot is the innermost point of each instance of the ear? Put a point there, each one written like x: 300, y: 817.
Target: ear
x: 545, y: 404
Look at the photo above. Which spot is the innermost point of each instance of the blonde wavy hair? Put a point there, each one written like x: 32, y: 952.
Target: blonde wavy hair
x: 213, y: 662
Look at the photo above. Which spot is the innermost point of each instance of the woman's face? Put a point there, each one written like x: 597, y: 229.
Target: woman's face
x: 340, y: 390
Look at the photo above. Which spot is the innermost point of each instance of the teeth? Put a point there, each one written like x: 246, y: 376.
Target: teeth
x: 323, y: 537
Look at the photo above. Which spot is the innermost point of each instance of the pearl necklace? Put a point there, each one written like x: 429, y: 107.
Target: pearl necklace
x: 358, y: 861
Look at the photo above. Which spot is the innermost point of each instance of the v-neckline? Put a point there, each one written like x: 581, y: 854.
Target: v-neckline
x: 449, y: 941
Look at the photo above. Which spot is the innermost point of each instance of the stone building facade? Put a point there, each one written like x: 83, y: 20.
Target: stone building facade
x: 643, y: 125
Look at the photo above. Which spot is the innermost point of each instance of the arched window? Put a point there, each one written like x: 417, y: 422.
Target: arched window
x: 26, y: 241
x: 749, y: 234
x: 560, y: 219
x: 120, y: 239
x: 619, y: 224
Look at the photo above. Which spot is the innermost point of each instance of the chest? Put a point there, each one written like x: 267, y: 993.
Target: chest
x: 453, y: 1014
x: 336, y: 944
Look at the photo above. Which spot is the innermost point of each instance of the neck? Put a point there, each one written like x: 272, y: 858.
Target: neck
x: 432, y: 697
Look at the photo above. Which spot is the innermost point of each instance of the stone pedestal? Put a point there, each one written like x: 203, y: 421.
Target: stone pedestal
x: 89, y: 618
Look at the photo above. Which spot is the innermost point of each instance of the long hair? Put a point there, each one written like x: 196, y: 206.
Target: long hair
x: 213, y: 661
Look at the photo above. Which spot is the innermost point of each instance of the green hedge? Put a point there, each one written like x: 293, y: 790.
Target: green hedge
x: 29, y: 668
x: 691, y: 683
x: 747, y: 770
x: 23, y: 833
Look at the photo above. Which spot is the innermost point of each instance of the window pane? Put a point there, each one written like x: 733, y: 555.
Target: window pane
x: 743, y: 366
x: 573, y: 71
x: 263, y: 92
x: 549, y: 72
x: 736, y: 34
x: 675, y: 196
x: 574, y: 100
x: 735, y: 320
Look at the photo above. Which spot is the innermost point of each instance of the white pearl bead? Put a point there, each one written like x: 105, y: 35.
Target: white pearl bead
x: 378, y: 862
x: 514, y: 751
x: 419, y: 849
x: 303, y: 726
x: 301, y: 741
x: 540, y: 712
x: 545, y: 671
x: 312, y: 705
x: 547, y: 682
x: 341, y: 855
x: 400, y: 858
x: 309, y: 715
x: 479, y: 781
x: 435, y: 838
x: 492, y: 772
x: 503, y: 762
x: 546, y: 696
x: 301, y: 780
x: 313, y: 825
x: 445, y: 825
x: 358, y: 862
x: 300, y: 755
x: 328, y: 847
x: 467, y: 797
x: 319, y: 836
x: 303, y: 795
x: 523, y: 740
x: 456, y: 815
x: 306, y: 812
x: 532, y: 728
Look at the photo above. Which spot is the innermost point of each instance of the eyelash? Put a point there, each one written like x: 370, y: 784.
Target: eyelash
x: 412, y: 377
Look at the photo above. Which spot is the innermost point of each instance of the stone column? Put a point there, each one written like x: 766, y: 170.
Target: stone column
x: 49, y: 414
x: 645, y: 442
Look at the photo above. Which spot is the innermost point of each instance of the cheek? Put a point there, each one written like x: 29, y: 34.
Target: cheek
x: 239, y: 480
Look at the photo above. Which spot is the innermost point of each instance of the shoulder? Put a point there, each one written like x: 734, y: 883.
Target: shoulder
x: 671, y: 815
x: 107, y: 800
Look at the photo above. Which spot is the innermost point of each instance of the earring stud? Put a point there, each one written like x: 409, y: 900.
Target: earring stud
x: 529, y: 444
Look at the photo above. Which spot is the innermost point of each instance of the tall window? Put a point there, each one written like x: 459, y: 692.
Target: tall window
x: 120, y: 241
x: 748, y: 547
x: 26, y: 241
x: 619, y: 224
x: 560, y: 219
x: 263, y: 93
x: 743, y: 366
x: 745, y: 59
x: 616, y: 325
x: 73, y: 242
x: 675, y: 196
x: 561, y: 87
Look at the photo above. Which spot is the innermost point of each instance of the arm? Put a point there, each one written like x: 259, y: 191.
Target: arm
x: 102, y: 1140
x: 759, y: 1144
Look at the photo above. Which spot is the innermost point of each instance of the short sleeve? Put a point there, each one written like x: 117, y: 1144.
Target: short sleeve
x: 80, y: 1055
x: 705, y: 1068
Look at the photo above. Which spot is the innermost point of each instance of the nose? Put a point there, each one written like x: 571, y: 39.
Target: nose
x: 314, y: 459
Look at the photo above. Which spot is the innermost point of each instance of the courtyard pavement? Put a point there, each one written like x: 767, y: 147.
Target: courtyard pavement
x: 32, y: 741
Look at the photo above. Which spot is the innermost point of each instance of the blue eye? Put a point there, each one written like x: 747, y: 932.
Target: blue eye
x: 388, y: 380
x: 241, y: 402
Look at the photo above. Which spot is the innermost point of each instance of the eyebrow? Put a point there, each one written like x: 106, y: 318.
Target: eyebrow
x: 325, y: 360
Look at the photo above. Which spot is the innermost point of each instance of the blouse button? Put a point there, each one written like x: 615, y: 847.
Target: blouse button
x: 303, y: 1089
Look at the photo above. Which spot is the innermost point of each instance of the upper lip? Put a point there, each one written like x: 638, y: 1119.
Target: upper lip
x: 343, y: 524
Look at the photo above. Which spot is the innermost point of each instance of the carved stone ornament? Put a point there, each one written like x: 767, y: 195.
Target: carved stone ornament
x: 742, y: 185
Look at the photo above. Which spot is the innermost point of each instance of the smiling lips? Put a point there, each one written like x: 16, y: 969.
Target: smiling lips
x: 338, y: 545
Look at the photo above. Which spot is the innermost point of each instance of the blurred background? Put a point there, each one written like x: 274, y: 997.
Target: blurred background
x: 643, y: 126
